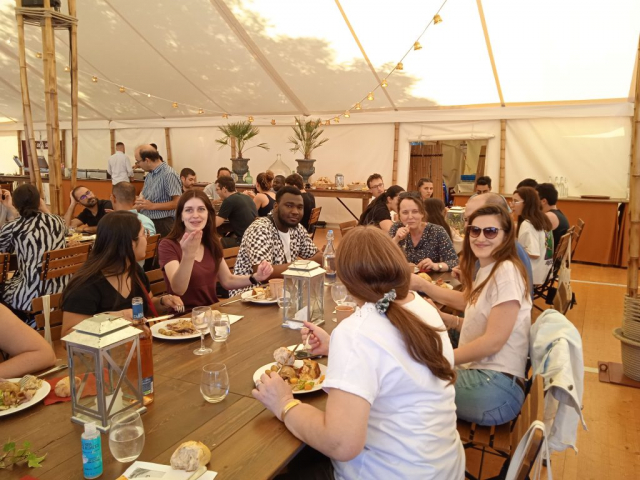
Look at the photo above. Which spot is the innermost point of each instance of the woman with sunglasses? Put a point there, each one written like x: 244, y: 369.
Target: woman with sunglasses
x: 535, y: 232
x: 111, y: 276
x: 494, y: 333
x: 191, y: 256
x: 425, y: 244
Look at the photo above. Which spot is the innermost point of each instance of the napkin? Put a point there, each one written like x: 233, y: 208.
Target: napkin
x: 234, y: 318
x: 51, y: 398
x: 161, y: 472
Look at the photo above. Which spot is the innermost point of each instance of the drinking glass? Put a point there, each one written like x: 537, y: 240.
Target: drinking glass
x: 201, y: 318
x: 214, y: 382
x: 284, y: 300
x: 338, y: 293
x: 126, y: 436
x: 220, y: 328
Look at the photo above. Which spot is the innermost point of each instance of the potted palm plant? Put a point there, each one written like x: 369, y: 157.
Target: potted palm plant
x: 305, y: 139
x: 239, y: 134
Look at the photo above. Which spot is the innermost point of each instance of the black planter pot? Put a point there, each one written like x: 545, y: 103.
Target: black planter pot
x: 240, y: 167
x: 306, y: 169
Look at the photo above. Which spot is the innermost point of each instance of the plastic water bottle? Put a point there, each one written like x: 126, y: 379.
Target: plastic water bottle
x: 91, y: 451
x: 329, y: 260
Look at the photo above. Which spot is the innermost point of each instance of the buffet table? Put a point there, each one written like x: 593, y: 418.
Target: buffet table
x: 604, y: 239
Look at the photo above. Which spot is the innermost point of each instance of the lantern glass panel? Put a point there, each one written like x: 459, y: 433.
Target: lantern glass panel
x: 304, y: 294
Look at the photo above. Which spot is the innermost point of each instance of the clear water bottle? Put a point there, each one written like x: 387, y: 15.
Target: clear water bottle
x: 329, y: 260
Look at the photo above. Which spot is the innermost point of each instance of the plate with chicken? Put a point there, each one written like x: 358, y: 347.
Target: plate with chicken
x: 14, y: 397
x: 303, y: 376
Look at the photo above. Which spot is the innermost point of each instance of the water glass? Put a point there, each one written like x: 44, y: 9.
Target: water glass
x: 338, y: 293
x: 214, y: 382
x: 220, y: 328
x: 284, y: 301
x: 201, y: 319
x: 126, y: 436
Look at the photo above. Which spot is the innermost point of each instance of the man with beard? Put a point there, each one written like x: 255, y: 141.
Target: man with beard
x: 94, y: 210
x: 278, y: 238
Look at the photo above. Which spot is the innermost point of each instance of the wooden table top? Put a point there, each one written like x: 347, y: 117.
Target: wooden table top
x: 246, y: 440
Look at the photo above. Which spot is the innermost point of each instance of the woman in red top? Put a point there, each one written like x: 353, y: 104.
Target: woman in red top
x: 191, y: 255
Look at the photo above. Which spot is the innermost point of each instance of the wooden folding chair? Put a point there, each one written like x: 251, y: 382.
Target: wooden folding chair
x: 547, y: 290
x: 313, y: 221
x: 347, y: 226
x: 152, y: 247
x: 502, y: 440
x: 230, y: 255
x: 576, y: 236
x: 55, y: 315
x: 5, y: 259
x: 156, y: 279
x: 62, y: 262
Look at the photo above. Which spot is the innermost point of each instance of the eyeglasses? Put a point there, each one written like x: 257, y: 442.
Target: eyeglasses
x: 378, y: 186
x: 489, y: 232
x: 516, y: 202
x: 86, y: 195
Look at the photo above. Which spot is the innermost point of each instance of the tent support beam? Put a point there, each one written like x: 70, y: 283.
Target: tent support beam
x: 167, y: 140
x: 73, y: 43
x: 490, y: 51
x: 396, y: 141
x: 112, y: 140
x: 503, y: 154
x: 634, y: 193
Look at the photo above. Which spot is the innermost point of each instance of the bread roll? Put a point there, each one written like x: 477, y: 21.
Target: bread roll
x: 190, y: 455
x: 63, y: 387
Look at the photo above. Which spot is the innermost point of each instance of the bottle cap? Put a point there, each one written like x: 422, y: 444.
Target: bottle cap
x: 330, y: 231
x: 90, y: 428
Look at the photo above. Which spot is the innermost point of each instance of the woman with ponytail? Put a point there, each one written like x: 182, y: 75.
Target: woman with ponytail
x: 390, y: 412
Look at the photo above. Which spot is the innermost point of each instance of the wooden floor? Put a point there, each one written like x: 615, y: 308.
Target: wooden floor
x: 611, y: 447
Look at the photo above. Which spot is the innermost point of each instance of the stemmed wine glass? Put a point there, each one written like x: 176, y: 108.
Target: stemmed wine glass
x: 201, y: 319
x: 126, y: 436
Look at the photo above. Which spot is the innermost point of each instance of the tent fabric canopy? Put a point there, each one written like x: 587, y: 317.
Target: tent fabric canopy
x: 280, y: 58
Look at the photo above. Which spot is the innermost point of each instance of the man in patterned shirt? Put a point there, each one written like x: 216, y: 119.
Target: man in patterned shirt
x: 161, y: 191
x: 277, y: 238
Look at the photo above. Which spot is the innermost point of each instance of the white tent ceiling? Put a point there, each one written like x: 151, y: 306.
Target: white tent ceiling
x: 279, y: 58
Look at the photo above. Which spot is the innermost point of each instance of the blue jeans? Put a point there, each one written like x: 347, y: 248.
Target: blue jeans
x: 487, y: 397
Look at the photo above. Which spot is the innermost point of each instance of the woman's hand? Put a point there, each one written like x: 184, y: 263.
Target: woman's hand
x: 273, y: 393
x: 427, y: 264
x: 172, y: 302
x: 455, y: 271
x: 401, y: 234
x: 264, y: 271
x: 318, y: 339
x: 190, y: 243
x: 6, y: 198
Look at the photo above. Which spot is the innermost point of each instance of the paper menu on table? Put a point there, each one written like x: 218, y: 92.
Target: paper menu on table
x: 155, y: 471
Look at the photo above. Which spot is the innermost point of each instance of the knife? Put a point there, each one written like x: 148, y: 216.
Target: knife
x: 198, y: 473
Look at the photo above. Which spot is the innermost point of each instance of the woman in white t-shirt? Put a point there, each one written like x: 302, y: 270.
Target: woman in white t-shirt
x: 390, y: 410
x: 494, y: 333
x: 535, y: 232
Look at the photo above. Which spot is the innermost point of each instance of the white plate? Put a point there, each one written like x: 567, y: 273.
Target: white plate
x: 42, y: 392
x: 447, y: 285
x: 296, y: 364
x: 155, y: 331
x: 249, y: 293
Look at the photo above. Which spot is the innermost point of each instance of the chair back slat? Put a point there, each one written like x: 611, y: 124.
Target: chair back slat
x: 230, y: 255
x: 64, y: 261
x: 577, y: 234
x: 152, y: 246
x: 156, y: 279
x: 55, y: 315
x: 4, y: 266
x: 313, y: 221
x: 346, y: 226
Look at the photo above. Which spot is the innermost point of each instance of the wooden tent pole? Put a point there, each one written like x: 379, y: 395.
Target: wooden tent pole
x: 34, y: 167
x: 503, y: 153
x: 112, y: 139
x: 20, y: 150
x: 634, y: 192
x: 63, y: 148
x: 167, y: 139
x: 396, y: 140
x: 73, y: 43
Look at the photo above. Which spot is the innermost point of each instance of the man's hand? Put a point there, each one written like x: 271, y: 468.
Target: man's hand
x: 264, y: 271
x: 143, y: 204
x: 74, y: 202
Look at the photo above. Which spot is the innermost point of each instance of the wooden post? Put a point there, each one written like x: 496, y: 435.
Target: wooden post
x: 20, y: 150
x: 634, y: 192
x: 396, y: 140
x: 73, y: 43
x: 503, y: 152
x: 167, y: 139
x: 34, y: 167
x: 112, y: 136
x: 63, y: 148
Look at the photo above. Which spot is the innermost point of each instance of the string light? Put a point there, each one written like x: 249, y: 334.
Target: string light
x: 384, y: 83
x: 437, y: 19
x: 148, y: 95
x: 67, y: 69
x: 370, y: 96
x: 200, y: 111
x: 174, y: 104
x: 38, y: 54
x: 417, y: 46
x: 347, y: 114
x: 358, y: 107
x: 122, y: 89
x: 273, y: 121
x: 336, y: 119
x: 225, y: 115
x: 250, y: 119
x: 94, y: 79
x: 399, y: 66
x: 327, y: 122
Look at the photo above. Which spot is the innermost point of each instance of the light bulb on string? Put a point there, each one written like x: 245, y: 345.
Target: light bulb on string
x: 437, y: 19
x: 38, y: 54
x: 174, y: 104
x: 358, y: 107
x: 200, y: 111
x: 273, y: 121
x: 417, y: 46
x: 336, y: 119
x: 384, y: 83
x: 225, y: 115
x: 347, y: 114
x: 148, y: 95
x: 94, y: 79
x: 122, y: 89
x: 399, y: 66
x: 370, y: 96
x: 67, y: 69
x: 250, y: 119
x: 327, y: 122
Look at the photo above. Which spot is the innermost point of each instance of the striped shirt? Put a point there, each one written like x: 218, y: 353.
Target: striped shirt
x: 159, y: 186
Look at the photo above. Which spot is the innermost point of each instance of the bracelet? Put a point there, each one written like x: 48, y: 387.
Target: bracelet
x: 289, y: 406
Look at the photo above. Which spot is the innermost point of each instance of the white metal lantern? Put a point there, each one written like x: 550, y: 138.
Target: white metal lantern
x: 104, y: 349
x: 304, y: 294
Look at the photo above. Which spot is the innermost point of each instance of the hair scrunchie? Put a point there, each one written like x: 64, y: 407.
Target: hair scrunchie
x: 382, y: 305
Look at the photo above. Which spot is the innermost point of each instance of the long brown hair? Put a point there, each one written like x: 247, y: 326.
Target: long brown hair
x: 503, y: 253
x: 370, y: 265
x: 209, y: 233
x: 532, y: 210
x: 390, y: 193
x: 434, y: 208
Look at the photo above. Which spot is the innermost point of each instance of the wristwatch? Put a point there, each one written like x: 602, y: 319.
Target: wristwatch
x: 253, y: 280
x: 440, y: 267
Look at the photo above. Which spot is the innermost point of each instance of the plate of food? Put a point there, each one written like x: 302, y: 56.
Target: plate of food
x: 439, y: 282
x: 259, y: 295
x: 304, y: 376
x: 176, y: 329
x: 14, y: 398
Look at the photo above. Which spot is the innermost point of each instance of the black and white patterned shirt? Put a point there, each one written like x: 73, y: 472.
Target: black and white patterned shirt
x: 261, y: 241
x: 159, y: 186
x: 434, y: 243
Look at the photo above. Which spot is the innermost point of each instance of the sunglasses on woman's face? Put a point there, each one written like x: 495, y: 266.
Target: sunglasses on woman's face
x: 489, y: 232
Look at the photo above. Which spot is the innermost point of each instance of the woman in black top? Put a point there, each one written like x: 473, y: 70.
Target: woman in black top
x: 111, y: 276
x: 379, y: 211
x: 264, y: 198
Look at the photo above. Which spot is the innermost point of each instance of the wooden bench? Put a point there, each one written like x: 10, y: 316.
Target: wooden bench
x: 502, y: 440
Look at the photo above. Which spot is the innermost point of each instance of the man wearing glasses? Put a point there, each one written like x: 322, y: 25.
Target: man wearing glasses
x: 94, y: 210
x: 375, y: 184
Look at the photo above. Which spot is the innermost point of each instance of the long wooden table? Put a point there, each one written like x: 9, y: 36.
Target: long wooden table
x: 246, y: 440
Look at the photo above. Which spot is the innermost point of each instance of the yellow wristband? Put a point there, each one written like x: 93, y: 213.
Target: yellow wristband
x: 289, y: 406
